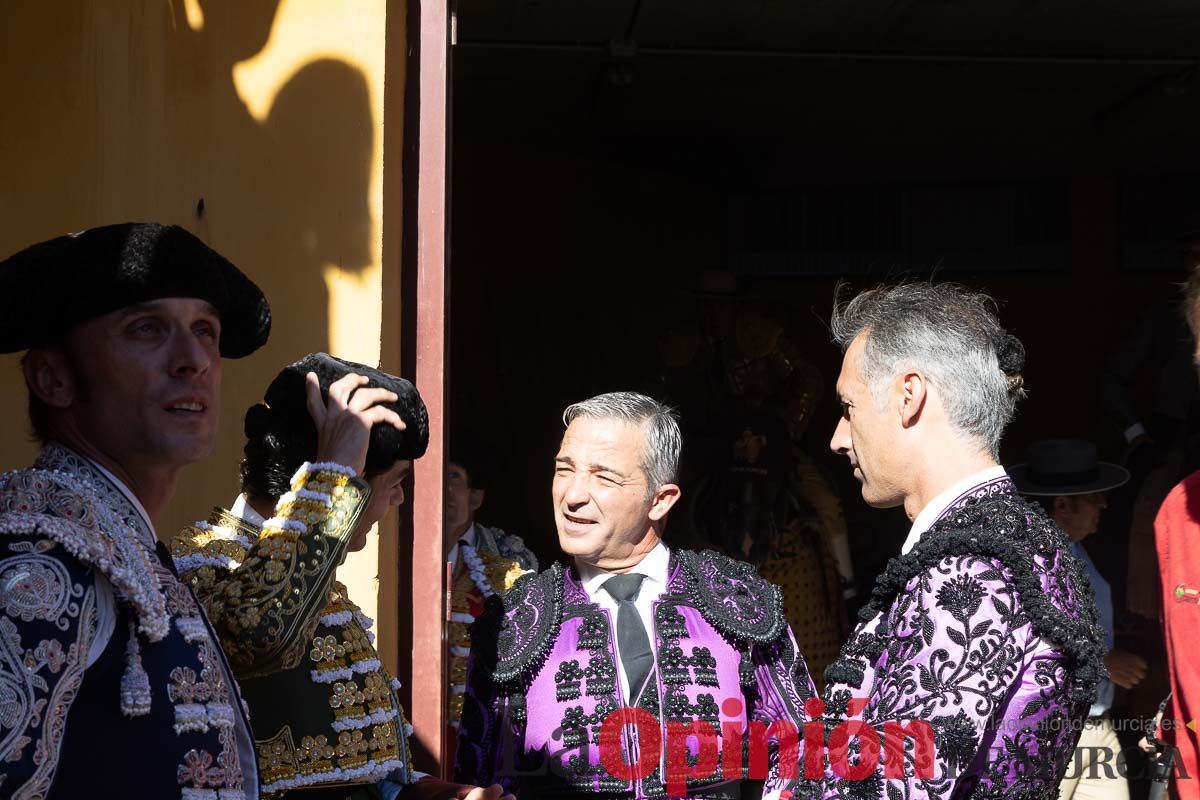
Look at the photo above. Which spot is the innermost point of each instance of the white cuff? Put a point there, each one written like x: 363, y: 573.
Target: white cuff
x: 1134, y: 431
x: 328, y: 466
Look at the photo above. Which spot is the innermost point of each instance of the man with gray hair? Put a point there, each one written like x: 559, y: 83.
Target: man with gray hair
x: 638, y: 671
x: 980, y: 640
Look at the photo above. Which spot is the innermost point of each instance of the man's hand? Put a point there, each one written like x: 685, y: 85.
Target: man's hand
x: 344, y: 421
x: 493, y: 792
x: 431, y: 788
x: 1126, y: 669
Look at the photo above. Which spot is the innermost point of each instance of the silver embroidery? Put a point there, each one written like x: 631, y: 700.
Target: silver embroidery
x: 35, y: 587
x: 71, y: 503
x: 45, y: 757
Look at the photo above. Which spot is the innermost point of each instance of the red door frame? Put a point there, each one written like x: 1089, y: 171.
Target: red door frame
x: 425, y: 296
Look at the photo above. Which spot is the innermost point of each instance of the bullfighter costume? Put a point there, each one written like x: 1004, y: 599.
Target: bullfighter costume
x: 984, y: 628
x: 486, y: 561
x: 324, y: 708
x: 544, y: 682
x: 111, y: 680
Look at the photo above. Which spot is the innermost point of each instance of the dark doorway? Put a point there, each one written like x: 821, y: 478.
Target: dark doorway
x: 611, y: 157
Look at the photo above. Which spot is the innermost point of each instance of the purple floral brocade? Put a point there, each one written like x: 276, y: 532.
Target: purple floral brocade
x: 957, y: 649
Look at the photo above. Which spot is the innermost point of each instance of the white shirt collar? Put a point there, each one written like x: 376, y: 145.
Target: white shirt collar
x: 242, y: 510
x: 126, y: 492
x: 935, y: 507
x: 654, y: 566
x: 468, y: 536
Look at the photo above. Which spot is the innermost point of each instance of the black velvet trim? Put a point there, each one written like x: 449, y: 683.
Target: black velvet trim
x: 1010, y: 531
x: 733, y: 597
x: 534, y: 609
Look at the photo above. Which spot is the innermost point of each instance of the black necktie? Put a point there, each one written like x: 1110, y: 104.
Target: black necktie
x: 459, y: 559
x: 636, y: 656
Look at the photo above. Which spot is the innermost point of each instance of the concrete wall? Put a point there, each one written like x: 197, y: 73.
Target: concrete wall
x: 256, y: 124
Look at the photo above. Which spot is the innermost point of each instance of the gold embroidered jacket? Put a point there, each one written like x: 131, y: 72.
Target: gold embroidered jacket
x: 323, y: 708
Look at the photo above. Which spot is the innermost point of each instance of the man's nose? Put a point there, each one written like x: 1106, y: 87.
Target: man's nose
x: 576, y: 493
x: 188, y: 354
x: 840, y: 443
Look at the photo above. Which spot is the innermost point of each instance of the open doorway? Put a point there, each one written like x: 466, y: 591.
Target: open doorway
x: 607, y: 153
x: 617, y: 165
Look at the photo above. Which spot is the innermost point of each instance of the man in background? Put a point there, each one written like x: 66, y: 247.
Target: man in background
x: 484, y: 561
x: 1067, y: 479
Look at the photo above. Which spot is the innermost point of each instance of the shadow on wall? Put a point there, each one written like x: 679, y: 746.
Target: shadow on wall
x: 138, y: 115
x: 294, y: 184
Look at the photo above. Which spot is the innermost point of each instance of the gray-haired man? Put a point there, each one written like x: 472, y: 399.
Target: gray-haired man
x: 600, y: 673
x: 980, y: 638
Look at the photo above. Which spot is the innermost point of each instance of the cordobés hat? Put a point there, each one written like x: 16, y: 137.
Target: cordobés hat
x: 1065, y: 467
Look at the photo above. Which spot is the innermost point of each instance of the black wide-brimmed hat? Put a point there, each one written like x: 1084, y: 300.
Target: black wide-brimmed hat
x: 1065, y: 467
x: 53, y: 286
x: 286, y: 407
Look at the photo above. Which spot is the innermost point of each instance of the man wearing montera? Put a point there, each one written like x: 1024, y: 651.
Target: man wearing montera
x: 632, y: 630
x: 113, y: 682
x: 1068, y: 480
x: 981, y: 636
x: 484, y: 560
x: 327, y: 454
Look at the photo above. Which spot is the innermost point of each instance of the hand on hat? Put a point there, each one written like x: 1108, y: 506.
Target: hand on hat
x: 345, y: 419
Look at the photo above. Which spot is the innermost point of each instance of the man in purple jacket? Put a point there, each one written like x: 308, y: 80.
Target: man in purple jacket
x: 980, y: 638
x: 639, y: 670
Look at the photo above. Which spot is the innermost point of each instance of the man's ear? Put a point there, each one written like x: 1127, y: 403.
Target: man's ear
x: 666, y: 496
x: 475, y: 499
x: 912, y: 392
x: 50, y: 376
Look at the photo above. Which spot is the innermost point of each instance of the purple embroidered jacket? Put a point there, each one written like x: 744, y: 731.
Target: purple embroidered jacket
x: 544, y: 678
x: 985, y: 632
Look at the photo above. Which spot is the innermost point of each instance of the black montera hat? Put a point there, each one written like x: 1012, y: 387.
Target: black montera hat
x: 286, y: 404
x: 53, y: 286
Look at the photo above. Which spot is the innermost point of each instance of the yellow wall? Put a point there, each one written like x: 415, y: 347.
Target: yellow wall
x: 272, y: 113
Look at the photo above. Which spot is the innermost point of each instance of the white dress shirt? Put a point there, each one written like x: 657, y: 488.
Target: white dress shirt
x: 935, y: 507
x: 654, y: 566
x: 244, y: 511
